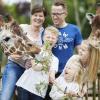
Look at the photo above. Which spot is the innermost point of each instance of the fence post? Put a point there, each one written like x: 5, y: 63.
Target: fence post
x: 98, y: 86
x: 94, y: 90
x: 86, y: 95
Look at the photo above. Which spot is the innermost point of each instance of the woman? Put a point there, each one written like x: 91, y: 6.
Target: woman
x: 16, y: 64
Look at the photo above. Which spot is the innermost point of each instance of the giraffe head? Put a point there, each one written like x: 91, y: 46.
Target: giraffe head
x: 96, y: 25
x: 14, y: 41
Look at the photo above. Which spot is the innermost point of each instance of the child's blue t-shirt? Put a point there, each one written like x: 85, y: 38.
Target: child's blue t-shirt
x: 69, y: 37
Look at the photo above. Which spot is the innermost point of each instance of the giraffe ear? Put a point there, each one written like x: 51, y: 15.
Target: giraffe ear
x: 89, y: 17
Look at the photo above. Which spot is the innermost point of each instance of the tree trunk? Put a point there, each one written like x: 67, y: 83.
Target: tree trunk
x: 75, y: 2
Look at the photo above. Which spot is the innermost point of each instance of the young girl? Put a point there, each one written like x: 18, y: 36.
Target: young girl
x: 72, y: 81
x: 66, y: 84
x: 35, y: 80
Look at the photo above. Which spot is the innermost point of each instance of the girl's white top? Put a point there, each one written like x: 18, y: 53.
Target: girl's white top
x: 37, y: 82
x: 58, y: 89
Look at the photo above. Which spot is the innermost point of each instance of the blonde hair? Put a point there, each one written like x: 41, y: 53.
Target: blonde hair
x: 94, y: 62
x: 52, y: 29
x: 79, y: 75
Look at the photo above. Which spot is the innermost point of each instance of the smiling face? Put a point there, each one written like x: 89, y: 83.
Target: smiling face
x: 37, y: 19
x: 51, y: 35
x: 71, y: 72
x: 84, y: 53
x: 58, y: 15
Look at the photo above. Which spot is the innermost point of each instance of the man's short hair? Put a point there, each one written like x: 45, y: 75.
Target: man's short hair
x: 60, y: 3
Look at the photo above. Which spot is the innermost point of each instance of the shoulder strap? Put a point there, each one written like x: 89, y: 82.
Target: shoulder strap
x: 42, y: 34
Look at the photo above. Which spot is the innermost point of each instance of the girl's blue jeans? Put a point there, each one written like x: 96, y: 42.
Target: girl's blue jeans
x: 11, y: 74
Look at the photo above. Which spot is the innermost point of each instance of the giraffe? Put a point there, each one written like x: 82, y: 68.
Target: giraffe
x: 95, y: 32
x: 14, y: 41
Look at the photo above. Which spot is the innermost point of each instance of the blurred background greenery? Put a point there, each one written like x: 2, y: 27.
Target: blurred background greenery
x: 77, y: 10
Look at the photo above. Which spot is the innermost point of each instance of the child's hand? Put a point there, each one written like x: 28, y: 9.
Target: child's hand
x: 28, y: 64
x: 51, y: 79
x: 81, y: 94
x: 36, y: 66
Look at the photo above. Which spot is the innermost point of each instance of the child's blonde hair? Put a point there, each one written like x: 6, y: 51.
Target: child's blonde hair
x: 52, y: 29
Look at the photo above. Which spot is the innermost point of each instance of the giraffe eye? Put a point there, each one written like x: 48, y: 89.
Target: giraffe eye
x: 30, y: 45
x: 7, y: 39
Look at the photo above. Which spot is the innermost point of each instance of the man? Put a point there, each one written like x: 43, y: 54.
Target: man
x: 69, y: 37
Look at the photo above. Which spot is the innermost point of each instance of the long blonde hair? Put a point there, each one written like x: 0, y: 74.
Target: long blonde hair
x: 94, y: 62
x: 79, y: 77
